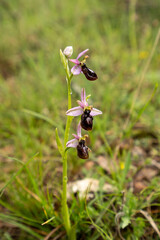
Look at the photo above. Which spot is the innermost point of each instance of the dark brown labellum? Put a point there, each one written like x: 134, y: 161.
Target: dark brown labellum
x: 82, y: 150
x: 89, y: 74
x: 86, y: 120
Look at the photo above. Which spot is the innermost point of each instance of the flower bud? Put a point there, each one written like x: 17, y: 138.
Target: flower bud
x: 68, y: 51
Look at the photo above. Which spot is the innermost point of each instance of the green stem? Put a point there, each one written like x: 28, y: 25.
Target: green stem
x: 69, y: 118
x: 65, y: 211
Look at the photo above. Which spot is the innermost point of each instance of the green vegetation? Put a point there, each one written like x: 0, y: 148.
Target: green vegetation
x: 123, y: 38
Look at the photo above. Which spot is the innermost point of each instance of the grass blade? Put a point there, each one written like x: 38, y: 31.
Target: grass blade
x: 40, y: 116
x: 59, y: 144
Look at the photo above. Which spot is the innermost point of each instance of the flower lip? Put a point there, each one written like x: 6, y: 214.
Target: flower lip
x: 82, y: 149
x: 89, y: 74
x: 87, y: 120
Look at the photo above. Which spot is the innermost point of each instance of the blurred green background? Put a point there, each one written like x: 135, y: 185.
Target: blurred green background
x: 32, y: 32
x: 120, y: 35
x: 120, y: 39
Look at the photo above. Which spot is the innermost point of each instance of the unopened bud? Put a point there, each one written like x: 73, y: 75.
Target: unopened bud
x: 68, y: 51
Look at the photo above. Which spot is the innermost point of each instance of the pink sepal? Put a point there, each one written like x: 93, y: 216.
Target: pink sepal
x: 82, y: 53
x: 76, y: 136
x: 76, y: 61
x: 72, y: 143
x: 76, y: 70
x: 81, y: 104
x: 76, y: 111
x: 79, y: 129
x: 95, y: 112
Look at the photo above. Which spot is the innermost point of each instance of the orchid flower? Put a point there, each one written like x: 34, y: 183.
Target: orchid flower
x: 76, y: 70
x: 79, y: 142
x: 74, y: 142
x: 81, y: 67
x: 87, y: 112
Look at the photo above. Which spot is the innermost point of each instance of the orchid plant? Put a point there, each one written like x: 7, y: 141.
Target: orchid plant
x: 86, y: 112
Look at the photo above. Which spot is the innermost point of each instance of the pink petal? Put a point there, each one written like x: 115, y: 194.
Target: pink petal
x: 76, y: 111
x: 83, y: 95
x: 72, y: 143
x: 95, y: 112
x: 76, y: 70
x: 82, y: 53
x: 74, y: 61
x: 79, y: 129
x: 81, y: 104
x: 76, y: 136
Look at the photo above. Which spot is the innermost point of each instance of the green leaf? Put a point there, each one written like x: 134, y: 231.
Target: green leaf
x: 8, y: 219
x: 66, y: 149
x: 16, y: 174
x: 72, y: 233
x: 64, y: 61
x: 63, y: 58
x: 125, y: 221
x: 141, y: 111
x: 7, y: 236
x: 59, y: 144
x: 126, y: 169
x: 49, y: 220
x: 40, y: 116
